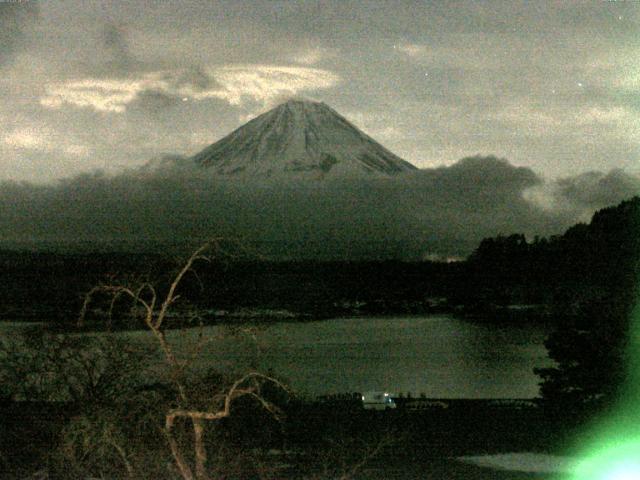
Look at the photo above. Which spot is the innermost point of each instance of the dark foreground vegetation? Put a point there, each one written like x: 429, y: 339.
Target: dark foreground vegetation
x: 80, y: 406
x: 311, y: 440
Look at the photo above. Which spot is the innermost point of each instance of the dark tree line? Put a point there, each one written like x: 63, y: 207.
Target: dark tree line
x: 589, y: 274
x: 586, y: 259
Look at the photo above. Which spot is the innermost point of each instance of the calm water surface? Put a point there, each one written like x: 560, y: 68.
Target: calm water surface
x: 439, y: 356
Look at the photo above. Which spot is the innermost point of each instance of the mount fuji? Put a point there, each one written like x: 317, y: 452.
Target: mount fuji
x: 299, y: 138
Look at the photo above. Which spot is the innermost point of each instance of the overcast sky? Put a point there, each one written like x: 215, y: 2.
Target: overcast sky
x: 104, y: 85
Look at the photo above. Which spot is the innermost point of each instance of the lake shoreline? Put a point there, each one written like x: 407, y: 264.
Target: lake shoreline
x: 433, y: 355
x: 491, y: 314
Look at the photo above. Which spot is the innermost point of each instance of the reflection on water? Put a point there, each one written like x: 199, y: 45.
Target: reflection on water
x: 439, y: 356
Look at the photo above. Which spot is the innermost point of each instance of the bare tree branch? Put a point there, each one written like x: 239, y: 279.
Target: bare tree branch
x: 171, y: 296
x: 176, y: 452
x: 145, y: 295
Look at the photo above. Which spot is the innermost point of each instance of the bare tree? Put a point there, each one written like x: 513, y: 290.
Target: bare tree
x: 101, y: 375
x: 155, y: 308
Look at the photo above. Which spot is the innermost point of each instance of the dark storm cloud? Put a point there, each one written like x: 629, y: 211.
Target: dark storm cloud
x: 193, y: 80
x: 117, y: 53
x: 154, y: 102
x: 14, y: 18
x: 196, y: 78
x: 575, y: 198
x: 594, y: 190
x: 434, y: 212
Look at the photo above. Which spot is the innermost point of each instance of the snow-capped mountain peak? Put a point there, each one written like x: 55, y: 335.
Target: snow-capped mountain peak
x: 299, y: 137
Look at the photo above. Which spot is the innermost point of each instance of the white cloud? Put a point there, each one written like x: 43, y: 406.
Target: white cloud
x: 24, y: 139
x: 234, y: 84
x: 264, y: 83
x: 546, y: 196
x: 311, y: 56
x: 101, y: 95
x: 412, y: 49
x: 77, y: 150
x: 43, y: 140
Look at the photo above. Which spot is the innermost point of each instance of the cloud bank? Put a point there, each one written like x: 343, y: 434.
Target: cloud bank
x: 578, y: 196
x: 433, y: 213
x: 235, y: 84
x: 553, y: 87
x: 15, y: 19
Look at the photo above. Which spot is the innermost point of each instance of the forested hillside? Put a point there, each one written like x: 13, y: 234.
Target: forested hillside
x: 588, y: 261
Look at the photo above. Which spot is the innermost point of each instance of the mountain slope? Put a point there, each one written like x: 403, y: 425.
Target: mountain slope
x: 303, y: 138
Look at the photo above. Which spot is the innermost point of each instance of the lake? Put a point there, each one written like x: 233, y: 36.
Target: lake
x: 439, y: 356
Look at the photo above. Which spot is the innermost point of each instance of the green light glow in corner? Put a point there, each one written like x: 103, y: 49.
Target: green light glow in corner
x: 613, y: 462
x: 614, y: 451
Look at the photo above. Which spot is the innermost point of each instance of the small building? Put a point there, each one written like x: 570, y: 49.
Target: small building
x: 378, y: 401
